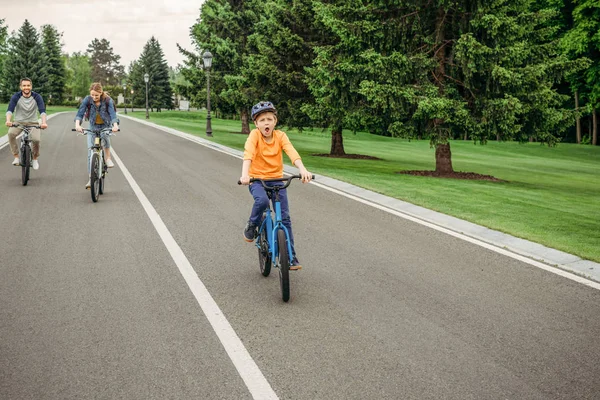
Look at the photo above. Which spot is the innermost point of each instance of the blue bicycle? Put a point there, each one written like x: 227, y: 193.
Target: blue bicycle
x: 273, y: 239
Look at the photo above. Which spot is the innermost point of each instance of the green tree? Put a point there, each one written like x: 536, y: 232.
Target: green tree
x: 152, y: 61
x: 106, y: 67
x: 280, y: 50
x: 223, y: 29
x: 443, y: 69
x: 584, y: 40
x: 79, y: 72
x: 26, y: 58
x: 55, y: 65
x: 3, y: 48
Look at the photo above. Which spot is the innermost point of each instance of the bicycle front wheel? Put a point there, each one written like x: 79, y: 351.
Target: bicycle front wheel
x: 101, y: 171
x: 94, y: 178
x: 284, y: 265
x: 264, y: 257
x: 25, y: 164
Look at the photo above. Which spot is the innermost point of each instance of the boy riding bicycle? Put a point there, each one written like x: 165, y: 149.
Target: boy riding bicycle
x: 263, y: 158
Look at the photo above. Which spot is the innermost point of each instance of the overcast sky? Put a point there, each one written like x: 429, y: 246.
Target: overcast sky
x: 126, y: 24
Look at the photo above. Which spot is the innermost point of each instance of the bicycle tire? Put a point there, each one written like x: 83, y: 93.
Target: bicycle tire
x: 94, y: 179
x: 101, y: 185
x: 284, y: 265
x: 264, y: 257
x: 25, y: 164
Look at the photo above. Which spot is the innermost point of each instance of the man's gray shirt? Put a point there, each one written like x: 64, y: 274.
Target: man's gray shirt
x: 25, y: 108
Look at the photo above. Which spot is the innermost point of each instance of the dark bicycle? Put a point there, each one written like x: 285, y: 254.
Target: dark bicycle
x: 98, y: 167
x: 25, y: 151
x: 273, y: 239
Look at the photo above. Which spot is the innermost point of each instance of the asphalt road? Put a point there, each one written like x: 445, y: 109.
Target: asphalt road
x: 93, y: 305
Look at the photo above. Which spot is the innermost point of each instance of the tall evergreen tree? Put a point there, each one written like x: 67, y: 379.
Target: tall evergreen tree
x: 25, y: 58
x: 55, y: 64
x: 152, y: 61
x: 442, y: 69
x: 106, y: 67
x: 279, y: 51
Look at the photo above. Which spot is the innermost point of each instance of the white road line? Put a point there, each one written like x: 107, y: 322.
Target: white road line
x: 508, y: 253
x: 254, y: 379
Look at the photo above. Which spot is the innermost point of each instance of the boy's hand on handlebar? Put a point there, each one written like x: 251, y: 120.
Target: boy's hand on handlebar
x: 43, y: 126
x: 306, y: 176
x: 245, y: 180
x: 9, y: 123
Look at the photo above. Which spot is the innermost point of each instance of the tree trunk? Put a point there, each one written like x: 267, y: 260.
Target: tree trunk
x: 245, y: 124
x: 337, y: 142
x: 497, y: 137
x: 595, y: 128
x: 578, y: 120
x: 466, y: 137
x: 443, y: 159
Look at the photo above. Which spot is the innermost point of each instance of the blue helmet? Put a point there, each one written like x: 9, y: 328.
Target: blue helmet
x: 262, y: 107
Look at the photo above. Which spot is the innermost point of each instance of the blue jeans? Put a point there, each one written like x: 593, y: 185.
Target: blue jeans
x: 261, y: 202
x: 90, y: 143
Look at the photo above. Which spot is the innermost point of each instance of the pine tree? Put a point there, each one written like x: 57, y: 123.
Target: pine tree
x: 279, y: 51
x: 55, y: 64
x: 152, y: 61
x: 25, y: 58
x: 106, y: 68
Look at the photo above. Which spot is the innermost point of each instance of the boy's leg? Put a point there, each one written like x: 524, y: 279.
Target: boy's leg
x: 261, y: 202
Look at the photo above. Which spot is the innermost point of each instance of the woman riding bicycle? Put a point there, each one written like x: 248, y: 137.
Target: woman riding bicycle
x: 99, y: 108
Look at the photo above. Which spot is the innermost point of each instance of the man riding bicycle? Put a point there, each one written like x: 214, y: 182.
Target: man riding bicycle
x: 24, y: 107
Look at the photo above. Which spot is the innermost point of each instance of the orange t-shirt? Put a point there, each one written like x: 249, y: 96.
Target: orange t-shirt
x: 267, y: 158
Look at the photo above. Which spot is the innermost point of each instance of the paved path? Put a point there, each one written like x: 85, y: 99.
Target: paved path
x: 96, y: 305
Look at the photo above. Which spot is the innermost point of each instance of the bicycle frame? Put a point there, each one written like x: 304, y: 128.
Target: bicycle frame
x: 271, y: 227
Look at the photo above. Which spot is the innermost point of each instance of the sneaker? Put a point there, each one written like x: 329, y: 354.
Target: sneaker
x: 295, y: 265
x: 250, y: 232
x: 36, y: 164
x: 89, y: 184
x: 109, y: 163
x: 16, y: 162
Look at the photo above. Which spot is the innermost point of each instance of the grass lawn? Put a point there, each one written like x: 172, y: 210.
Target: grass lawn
x: 49, y: 110
x: 551, y: 195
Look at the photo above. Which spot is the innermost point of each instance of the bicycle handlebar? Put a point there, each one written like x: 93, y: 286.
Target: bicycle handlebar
x: 25, y: 126
x: 86, y: 131
x: 287, y: 180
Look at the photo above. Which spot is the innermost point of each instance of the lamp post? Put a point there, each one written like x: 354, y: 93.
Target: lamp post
x: 207, y: 59
x: 125, y: 98
x: 146, y: 79
x: 131, y: 100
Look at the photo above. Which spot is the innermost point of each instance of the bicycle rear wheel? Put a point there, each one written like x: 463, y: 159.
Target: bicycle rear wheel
x: 264, y: 257
x: 25, y: 164
x: 94, y: 178
x: 284, y: 265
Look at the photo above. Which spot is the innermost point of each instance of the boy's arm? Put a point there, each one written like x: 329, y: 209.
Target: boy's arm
x: 249, y: 152
x: 245, y: 178
x: 295, y: 158
x: 42, y: 109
